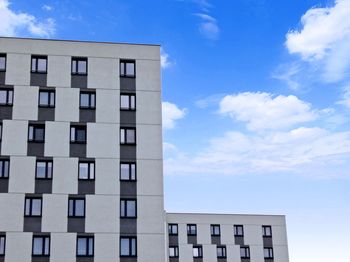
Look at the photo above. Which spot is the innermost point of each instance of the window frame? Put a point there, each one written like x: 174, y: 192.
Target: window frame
x: 2, y: 55
x: 90, y: 94
x: 125, y: 129
x: 1, y: 124
x: 270, y: 253
x: 87, y: 238
x: 77, y: 60
x: 2, y: 171
x: 125, y: 211
x: 3, y: 237
x: 171, y: 231
x: 43, y: 246
x: 212, y: 230
x: 34, y: 127
x: 246, y: 251
x: 264, y: 231
x: 200, y: 251
x: 31, y: 199
x: 236, y: 231
x: 89, y: 170
x: 130, y: 171
x: 130, y: 240
x: 74, y: 199
x: 79, y: 127
x: 36, y: 58
x: 189, y: 231
x: 123, y: 73
x: 223, y: 251
x: 9, y: 102
x: 47, y: 177
x: 50, y: 93
x: 176, y: 251
x: 129, y: 108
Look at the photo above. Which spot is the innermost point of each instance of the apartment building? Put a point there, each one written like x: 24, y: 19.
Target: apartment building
x: 81, y: 175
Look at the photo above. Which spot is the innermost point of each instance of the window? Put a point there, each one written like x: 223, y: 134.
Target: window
x: 46, y: 98
x: 127, y: 102
x: 174, y: 251
x: 2, y: 245
x: 215, y: 230
x: 79, y: 66
x: 0, y: 131
x: 44, y: 169
x: 128, y: 171
x: 6, y: 97
x: 87, y: 100
x: 191, y: 230
x: 78, y: 134
x: 128, y: 247
x: 39, y: 64
x: 32, y: 207
x: 221, y: 251
x: 4, y: 168
x: 128, y: 136
x: 41, y: 246
x: 238, y: 230
x: 85, y: 246
x: 127, y: 68
x: 86, y: 170
x: 268, y: 252
x: 128, y: 208
x: 267, y: 231
x: 245, y: 252
x: 2, y: 62
x: 173, y: 229
x: 36, y: 133
x: 76, y: 207
x: 197, y: 251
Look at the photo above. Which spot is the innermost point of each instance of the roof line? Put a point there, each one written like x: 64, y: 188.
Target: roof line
x: 220, y: 214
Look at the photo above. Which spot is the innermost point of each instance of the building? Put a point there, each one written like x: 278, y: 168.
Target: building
x: 81, y: 174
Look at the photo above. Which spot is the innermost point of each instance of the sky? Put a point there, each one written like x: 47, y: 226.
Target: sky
x: 256, y: 103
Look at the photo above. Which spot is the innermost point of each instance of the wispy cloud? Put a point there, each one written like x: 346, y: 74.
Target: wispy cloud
x: 165, y: 59
x: 47, y: 8
x: 171, y: 113
x: 208, y: 26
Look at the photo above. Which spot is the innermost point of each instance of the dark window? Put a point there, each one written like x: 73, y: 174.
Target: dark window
x: 4, y: 168
x: 128, y: 136
x: 128, y: 247
x: 267, y: 231
x: 2, y: 62
x: 76, y: 207
x: 41, y: 246
x: 191, y: 230
x: 36, y: 133
x: 6, y: 97
x: 245, y: 252
x: 174, y: 251
x: 78, y: 134
x: 215, y: 230
x: 0, y: 131
x: 33, y: 207
x: 85, y: 246
x: 46, y: 98
x: 127, y: 68
x: 86, y: 170
x: 87, y: 100
x: 2, y: 245
x: 173, y: 229
x: 221, y: 251
x: 197, y: 251
x: 127, y: 102
x: 44, y: 169
x: 128, y: 171
x: 268, y: 252
x: 39, y: 64
x: 79, y: 66
x: 238, y: 230
x: 128, y: 208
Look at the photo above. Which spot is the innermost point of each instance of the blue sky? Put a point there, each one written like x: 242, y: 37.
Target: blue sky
x: 256, y: 103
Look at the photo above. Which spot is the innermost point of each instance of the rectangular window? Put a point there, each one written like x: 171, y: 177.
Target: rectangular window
x: 79, y: 66
x: 245, y: 252
x: 221, y: 251
x: 191, y: 230
x: 268, y: 252
x: 267, y: 231
x: 128, y: 208
x: 197, y: 251
x: 4, y: 168
x: 0, y: 131
x: 33, y: 207
x: 238, y: 230
x: 87, y: 100
x: 44, y: 169
x: 127, y: 68
x: 78, y: 134
x: 174, y: 251
x: 127, y: 102
x: 39, y: 64
x: 86, y: 170
x: 36, y: 133
x: 173, y: 229
x: 2, y: 245
x: 128, y: 136
x: 76, y: 207
x: 128, y: 171
x: 128, y: 247
x: 6, y: 97
x: 46, y: 98
x: 215, y: 230
x: 41, y: 246
x: 2, y: 62
x: 85, y: 246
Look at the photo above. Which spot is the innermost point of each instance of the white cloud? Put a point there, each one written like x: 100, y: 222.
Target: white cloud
x: 264, y: 111
x: 288, y: 73
x: 18, y: 23
x: 345, y: 101
x: 208, y: 26
x: 46, y: 7
x: 171, y: 113
x: 164, y: 59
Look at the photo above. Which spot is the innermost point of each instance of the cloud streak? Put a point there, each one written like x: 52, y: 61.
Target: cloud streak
x: 170, y: 114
